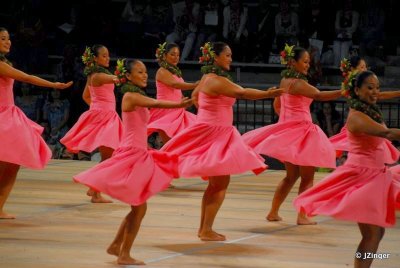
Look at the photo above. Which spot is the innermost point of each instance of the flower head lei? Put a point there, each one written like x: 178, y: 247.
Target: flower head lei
x: 348, y: 76
x: 120, y: 72
x: 160, y: 52
x: 286, y: 55
x: 207, y: 58
x: 90, y: 64
x: 123, y: 82
x: 348, y: 83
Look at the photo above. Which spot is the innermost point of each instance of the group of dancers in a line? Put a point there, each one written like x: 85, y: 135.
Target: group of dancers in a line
x: 207, y: 145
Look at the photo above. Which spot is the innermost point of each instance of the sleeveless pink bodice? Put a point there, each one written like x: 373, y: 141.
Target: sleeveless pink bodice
x: 215, y: 110
x: 165, y: 92
x: 135, y: 128
x: 366, y: 150
x: 6, y: 91
x: 295, y: 108
x: 102, y: 97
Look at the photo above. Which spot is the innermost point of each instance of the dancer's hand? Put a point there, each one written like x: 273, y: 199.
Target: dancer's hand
x: 58, y: 85
x: 274, y: 92
x: 186, y: 102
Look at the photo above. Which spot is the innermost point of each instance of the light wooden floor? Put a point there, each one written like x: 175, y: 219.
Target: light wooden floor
x: 58, y: 227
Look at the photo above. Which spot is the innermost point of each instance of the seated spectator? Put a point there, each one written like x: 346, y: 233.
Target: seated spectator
x: 234, y: 29
x: 329, y: 119
x: 346, y: 24
x: 209, y: 30
x: 261, y: 32
x: 56, y: 112
x: 28, y: 102
x: 286, y: 26
x: 186, y: 27
x: 156, y: 23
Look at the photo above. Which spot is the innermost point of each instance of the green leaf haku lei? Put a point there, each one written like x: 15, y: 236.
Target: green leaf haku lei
x: 216, y: 70
x: 129, y: 87
x: 290, y: 73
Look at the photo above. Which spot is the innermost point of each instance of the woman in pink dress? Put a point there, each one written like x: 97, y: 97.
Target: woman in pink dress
x: 340, y: 141
x: 295, y: 140
x: 363, y: 190
x: 100, y: 127
x: 212, y: 148
x: 170, y: 84
x: 20, y: 138
x: 134, y: 173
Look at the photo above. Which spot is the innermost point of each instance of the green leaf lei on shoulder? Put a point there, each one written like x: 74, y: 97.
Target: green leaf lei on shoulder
x: 3, y: 58
x: 216, y: 70
x: 290, y: 73
x: 129, y: 87
x: 162, y: 63
x: 207, y: 58
x: 90, y: 64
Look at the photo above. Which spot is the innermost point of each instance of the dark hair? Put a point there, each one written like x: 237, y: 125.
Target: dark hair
x: 95, y: 49
x: 2, y: 29
x: 218, y: 47
x: 355, y: 61
x: 170, y: 46
x: 372, y: 110
x: 129, y: 65
x: 298, y: 52
x: 359, y: 80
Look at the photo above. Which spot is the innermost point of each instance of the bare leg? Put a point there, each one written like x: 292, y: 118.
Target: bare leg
x: 105, y: 153
x: 115, y: 245
x: 212, y: 201
x: 282, y: 191
x: 307, y: 180
x: 8, y: 174
x: 371, y: 237
x: 133, y: 221
x: 164, y: 137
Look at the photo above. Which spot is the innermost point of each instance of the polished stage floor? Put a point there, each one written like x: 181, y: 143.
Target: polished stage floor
x: 57, y: 226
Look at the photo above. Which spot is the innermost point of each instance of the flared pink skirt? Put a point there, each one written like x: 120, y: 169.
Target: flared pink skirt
x: 132, y: 175
x: 94, y: 128
x: 21, y: 142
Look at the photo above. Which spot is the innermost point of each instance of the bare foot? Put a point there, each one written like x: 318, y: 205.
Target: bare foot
x: 273, y: 217
x: 211, y: 236
x: 6, y: 216
x: 100, y: 199
x: 113, y: 249
x: 304, y: 220
x: 129, y: 261
x: 90, y: 192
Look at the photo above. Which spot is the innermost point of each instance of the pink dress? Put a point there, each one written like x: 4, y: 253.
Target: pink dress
x: 362, y: 190
x: 294, y: 138
x: 171, y: 121
x: 133, y: 173
x: 100, y: 126
x: 21, y: 142
x: 341, y: 143
x: 212, y: 146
